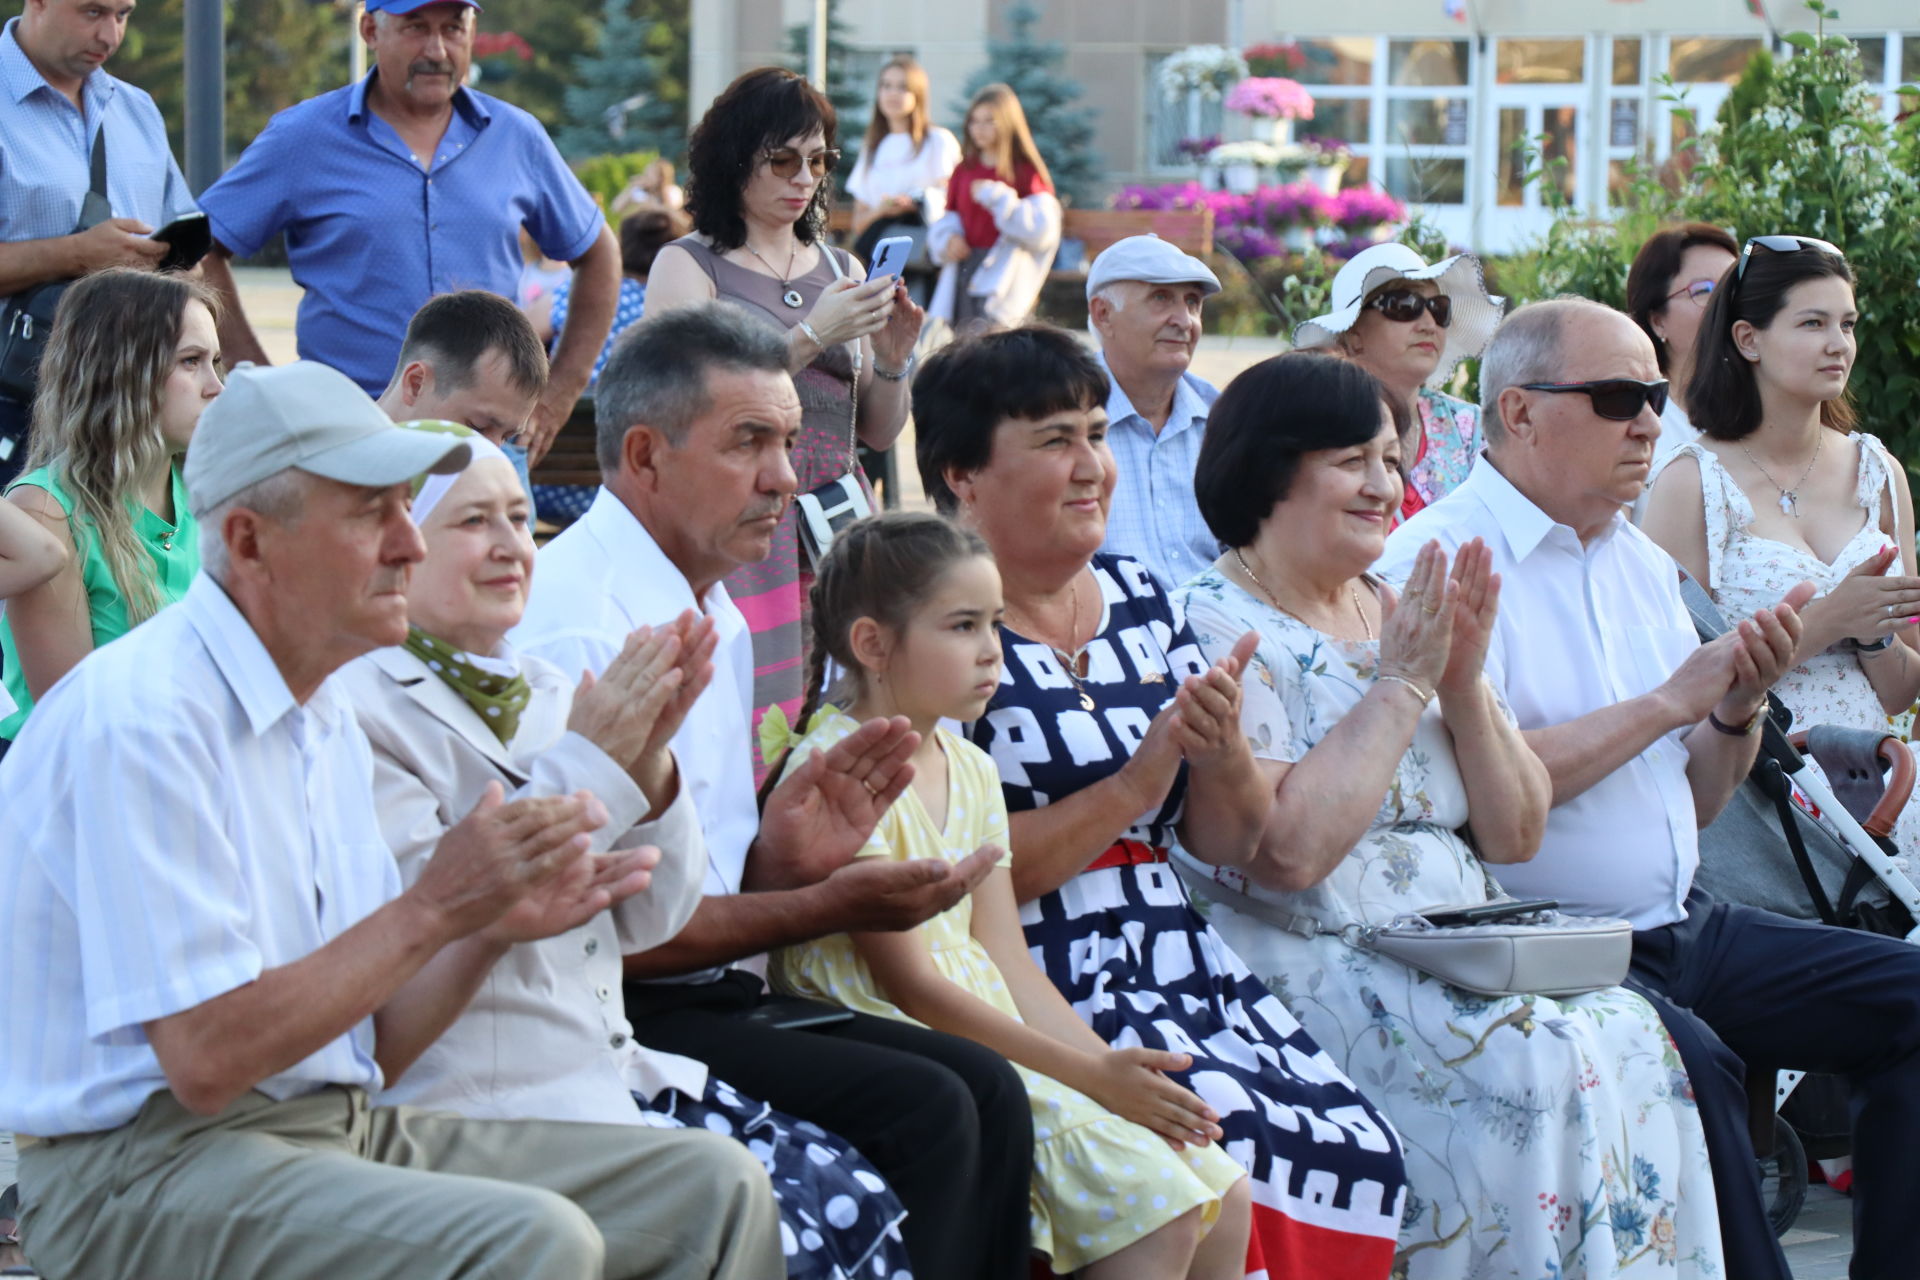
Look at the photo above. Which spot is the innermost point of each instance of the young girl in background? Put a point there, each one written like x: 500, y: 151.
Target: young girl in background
x: 1002, y: 223
x: 1127, y: 1181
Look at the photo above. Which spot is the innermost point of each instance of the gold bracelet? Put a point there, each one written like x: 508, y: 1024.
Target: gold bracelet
x: 1424, y: 695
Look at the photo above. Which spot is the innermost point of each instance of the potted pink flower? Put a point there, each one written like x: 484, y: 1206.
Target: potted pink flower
x: 1273, y: 98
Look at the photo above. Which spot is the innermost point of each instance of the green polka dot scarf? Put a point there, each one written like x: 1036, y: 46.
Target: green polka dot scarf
x: 497, y: 699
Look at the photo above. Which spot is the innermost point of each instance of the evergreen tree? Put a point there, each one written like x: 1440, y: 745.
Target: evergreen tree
x: 624, y: 64
x: 852, y: 101
x: 1034, y: 70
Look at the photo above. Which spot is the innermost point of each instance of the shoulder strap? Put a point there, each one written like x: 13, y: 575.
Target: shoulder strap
x: 97, y: 162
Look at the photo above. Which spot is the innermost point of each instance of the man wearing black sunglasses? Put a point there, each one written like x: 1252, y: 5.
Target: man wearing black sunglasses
x: 1646, y: 733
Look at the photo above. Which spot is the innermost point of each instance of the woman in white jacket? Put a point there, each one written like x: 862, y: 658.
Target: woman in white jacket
x: 1002, y: 225
x: 455, y: 711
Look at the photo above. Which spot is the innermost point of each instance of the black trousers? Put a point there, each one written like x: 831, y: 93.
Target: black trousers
x: 944, y: 1119
x: 1737, y: 984
x: 14, y: 420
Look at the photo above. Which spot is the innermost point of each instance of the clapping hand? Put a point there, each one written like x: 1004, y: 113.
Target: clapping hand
x: 820, y: 815
x: 1416, y: 626
x: 577, y: 895
x: 1206, y: 721
x: 1476, y: 589
x: 502, y: 851
x: 1769, y: 640
x: 1867, y: 604
x: 879, y: 895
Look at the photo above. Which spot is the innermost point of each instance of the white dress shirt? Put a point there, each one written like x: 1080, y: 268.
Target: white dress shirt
x: 1154, y: 518
x: 599, y: 579
x: 1581, y: 628
x: 546, y: 1036
x: 172, y: 825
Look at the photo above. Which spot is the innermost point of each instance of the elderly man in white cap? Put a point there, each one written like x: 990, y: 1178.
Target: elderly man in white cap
x: 208, y: 960
x: 1409, y: 324
x: 1144, y: 298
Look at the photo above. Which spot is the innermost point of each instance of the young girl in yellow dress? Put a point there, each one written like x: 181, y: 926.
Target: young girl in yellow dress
x: 1127, y: 1181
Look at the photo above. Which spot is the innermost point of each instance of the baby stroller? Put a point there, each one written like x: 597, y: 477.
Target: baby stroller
x: 1839, y: 869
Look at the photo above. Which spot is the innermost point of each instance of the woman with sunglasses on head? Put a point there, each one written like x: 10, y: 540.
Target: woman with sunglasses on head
x: 1668, y: 288
x: 1002, y: 224
x: 1409, y: 324
x: 758, y: 191
x: 1780, y: 488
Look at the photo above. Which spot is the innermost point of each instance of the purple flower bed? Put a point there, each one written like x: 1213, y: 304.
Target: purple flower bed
x: 1251, y: 226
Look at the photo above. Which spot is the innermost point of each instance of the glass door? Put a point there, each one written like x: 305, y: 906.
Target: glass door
x: 1539, y: 103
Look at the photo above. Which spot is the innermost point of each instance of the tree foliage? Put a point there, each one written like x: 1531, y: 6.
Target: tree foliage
x: 628, y: 61
x: 1806, y: 152
x: 1035, y: 70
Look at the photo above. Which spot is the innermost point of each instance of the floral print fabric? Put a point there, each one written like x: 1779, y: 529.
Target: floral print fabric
x: 1544, y: 1138
x: 1746, y: 572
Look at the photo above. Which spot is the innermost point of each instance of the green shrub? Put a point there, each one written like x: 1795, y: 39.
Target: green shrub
x: 607, y: 176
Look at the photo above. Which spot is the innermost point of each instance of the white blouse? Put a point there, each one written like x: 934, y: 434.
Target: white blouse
x: 893, y: 168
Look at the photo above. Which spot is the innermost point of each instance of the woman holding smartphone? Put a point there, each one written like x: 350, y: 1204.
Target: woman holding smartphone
x: 758, y: 194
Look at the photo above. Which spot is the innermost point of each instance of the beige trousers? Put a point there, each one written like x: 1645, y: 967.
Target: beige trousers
x: 328, y: 1186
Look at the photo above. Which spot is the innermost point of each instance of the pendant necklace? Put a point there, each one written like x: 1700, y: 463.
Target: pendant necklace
x: 1790, y: 498
x: 1070, y: 662
x: 792, y: 295
x: 1352, y: 591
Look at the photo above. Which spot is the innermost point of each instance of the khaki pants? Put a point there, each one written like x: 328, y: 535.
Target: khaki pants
x: 327, y: 1186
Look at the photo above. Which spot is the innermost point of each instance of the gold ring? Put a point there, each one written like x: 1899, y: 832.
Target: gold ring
x: 871, y: 789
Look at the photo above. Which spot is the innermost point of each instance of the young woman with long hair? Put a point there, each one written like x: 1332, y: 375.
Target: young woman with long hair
x: 1002, y: 224
x: 133, y: 360
x: 899, y: 184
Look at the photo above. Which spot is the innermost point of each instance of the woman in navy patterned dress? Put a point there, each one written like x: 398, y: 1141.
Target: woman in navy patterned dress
x: 1107, y: 733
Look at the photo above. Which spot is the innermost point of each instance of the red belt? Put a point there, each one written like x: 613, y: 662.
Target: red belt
x: 1125, y: 853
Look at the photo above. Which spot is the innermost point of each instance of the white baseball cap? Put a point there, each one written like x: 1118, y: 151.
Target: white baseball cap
x: 1150, y: 260
x: 310, y: 417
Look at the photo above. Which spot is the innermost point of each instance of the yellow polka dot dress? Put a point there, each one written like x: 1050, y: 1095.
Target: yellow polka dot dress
x: 1099, y: 1182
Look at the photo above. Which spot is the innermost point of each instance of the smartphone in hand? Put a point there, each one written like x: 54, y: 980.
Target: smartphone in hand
x: 187, y: 239
x: 890, y: 257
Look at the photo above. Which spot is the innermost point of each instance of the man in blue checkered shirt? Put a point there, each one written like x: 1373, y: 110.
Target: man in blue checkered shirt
x: 55, y: 98
x: 1144, y: 298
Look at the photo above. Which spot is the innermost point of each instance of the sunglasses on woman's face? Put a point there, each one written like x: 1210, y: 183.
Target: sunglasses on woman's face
x: 785, y: 161
x: 1696, y: 290
x: 1403, y: 306
x: 1618, y: 399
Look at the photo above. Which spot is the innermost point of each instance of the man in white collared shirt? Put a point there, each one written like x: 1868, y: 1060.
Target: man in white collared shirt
x: 696, y: 415
x: 1646, y: 732
x: 1144, y: 298
x: 209, y: 963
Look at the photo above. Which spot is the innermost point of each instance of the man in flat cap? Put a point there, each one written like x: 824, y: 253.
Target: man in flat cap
x: 1144, y: 298
x: 207, y: 958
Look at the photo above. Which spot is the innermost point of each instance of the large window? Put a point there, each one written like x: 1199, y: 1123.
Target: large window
x: 1889, y: 60
x: 1429, y: 121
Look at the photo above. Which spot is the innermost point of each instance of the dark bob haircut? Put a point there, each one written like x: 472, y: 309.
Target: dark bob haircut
x: 1267, y: 419
x: 973, y: 385
x: 644, y: 234
x: 1651, y: 277
x: 1723, y: 396
x: 762, y: 110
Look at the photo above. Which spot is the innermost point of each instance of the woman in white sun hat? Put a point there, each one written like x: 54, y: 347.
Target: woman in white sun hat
x: 1409, y: 324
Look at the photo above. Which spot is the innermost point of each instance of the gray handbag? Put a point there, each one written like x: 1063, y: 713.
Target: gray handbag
x: 1527, y: 950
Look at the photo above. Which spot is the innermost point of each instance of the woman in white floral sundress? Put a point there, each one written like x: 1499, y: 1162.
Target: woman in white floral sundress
x: 1780, y: 489
x: 1544, y: 1137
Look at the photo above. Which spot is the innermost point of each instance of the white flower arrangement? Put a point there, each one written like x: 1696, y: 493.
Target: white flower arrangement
x: 1264, y: 155
x: 1205, y: 69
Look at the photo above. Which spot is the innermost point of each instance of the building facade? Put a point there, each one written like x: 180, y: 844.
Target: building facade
x: 1438, y: 100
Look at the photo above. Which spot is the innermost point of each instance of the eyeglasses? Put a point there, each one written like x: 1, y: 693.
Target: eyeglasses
x: 1781, y: 244
x: 785, y: 161
x: 1403, y: 306
x: 1618, y: 399
x: 1697, y: 290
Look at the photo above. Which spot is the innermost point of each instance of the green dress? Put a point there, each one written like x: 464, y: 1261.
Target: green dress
x: 1099, y: 1182
x: 175, y: 549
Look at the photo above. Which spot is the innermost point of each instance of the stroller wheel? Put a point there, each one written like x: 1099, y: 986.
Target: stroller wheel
x: 1783, y: 1178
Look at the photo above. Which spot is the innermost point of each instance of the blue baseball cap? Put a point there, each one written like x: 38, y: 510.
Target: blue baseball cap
x: 408, y: 6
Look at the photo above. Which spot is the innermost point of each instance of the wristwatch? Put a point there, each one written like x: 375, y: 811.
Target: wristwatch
x: 1850, y: 645
x: 1738, y: 731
